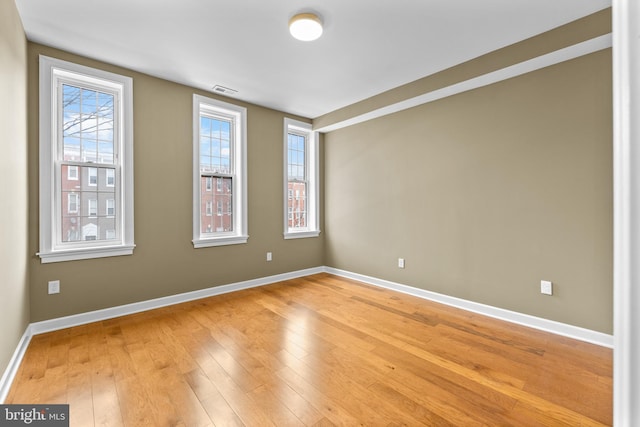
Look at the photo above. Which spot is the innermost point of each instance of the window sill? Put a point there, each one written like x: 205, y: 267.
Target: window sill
x: 301, y: 234
x: 220, y: 241
x: 88, y: 253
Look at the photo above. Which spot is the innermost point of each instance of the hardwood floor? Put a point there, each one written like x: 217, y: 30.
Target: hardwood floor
x: 316, y: 351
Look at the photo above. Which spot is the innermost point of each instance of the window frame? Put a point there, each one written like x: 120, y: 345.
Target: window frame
x: 52, y: 74
x: 312, y: 153
x: 238, y: 115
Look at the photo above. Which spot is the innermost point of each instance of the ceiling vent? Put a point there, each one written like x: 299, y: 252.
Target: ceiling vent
x: 224, y: 90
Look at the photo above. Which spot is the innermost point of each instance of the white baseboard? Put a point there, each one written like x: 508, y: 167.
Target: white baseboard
x: 554, y: 327
x: 123, y: 310
x: 557, y: 328
x: 14, y: 364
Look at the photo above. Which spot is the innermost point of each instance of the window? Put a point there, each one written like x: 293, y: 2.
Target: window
x: 93, y: 207
x: 219, y: 152
x: 111, y: 177
x: 72, y: 173
x: 301, y: 180
x: 72, y: 203
x: 110, y: 207
x: 93, y: 177
x: 209, y: 208
x: 86, y: 134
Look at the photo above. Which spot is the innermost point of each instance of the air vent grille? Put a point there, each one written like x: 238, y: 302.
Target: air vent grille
x: 224, y: 90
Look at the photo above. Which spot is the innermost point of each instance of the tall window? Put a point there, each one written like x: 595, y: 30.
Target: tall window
x: 219, y: 152
x: 86, y: 159
x: 301, y: 213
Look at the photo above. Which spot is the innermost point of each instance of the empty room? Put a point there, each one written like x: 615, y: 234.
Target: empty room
x: 335, y: 213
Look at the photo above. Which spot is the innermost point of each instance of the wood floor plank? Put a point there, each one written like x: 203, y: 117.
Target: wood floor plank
x: 316, y: 351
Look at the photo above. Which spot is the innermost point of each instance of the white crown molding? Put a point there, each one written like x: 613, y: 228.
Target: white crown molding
x: 571, y: 52
x: 538, y: 323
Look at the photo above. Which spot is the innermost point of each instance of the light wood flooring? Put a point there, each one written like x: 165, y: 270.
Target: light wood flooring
x: 316, y: 351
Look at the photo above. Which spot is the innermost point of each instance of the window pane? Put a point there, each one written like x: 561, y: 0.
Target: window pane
x: 71, y: 148
x: 216, y: 210
x: 88, y: 201
x: 87, y: 128
x: 70, y: 99
x: 110, y: 177
x: 215, y: 143
x: 89, y: 229
x: 297, y: 205
x: 88, y: 101
x: 105, y: 105
x: 296, y: 157
x: 89, y: 150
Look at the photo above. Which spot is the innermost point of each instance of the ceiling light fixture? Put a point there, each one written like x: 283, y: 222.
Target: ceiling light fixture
x: 305, y: 27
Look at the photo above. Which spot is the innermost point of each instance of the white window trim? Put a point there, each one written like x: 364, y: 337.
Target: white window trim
x: 51, y: 70
x: 239, y: 234
x: 312, y: 160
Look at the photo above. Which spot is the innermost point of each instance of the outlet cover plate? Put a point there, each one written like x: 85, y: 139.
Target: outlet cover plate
x: 546, y: 287
x: 54, y: 287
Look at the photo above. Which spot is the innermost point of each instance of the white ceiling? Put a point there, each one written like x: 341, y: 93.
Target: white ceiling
x: 367, y: 46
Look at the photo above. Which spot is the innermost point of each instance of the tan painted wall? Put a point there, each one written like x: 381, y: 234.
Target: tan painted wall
x: 14, y: 278
x: 486, y: 193
x: 164, y: 261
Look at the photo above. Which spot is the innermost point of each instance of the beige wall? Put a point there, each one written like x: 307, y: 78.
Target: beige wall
x: 14, y: 278
x: 164, y: 261
x: 486, y: 193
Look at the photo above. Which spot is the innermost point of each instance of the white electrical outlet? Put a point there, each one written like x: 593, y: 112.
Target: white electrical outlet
x: 546, y: 287
x: 54, y: 287
x: 269, y: 256
x: 400, y: 262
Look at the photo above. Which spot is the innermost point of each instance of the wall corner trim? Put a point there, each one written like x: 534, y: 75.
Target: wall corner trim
x: 562, y: 329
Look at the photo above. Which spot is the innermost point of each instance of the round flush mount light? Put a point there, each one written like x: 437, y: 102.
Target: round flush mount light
x: 305, y: 27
